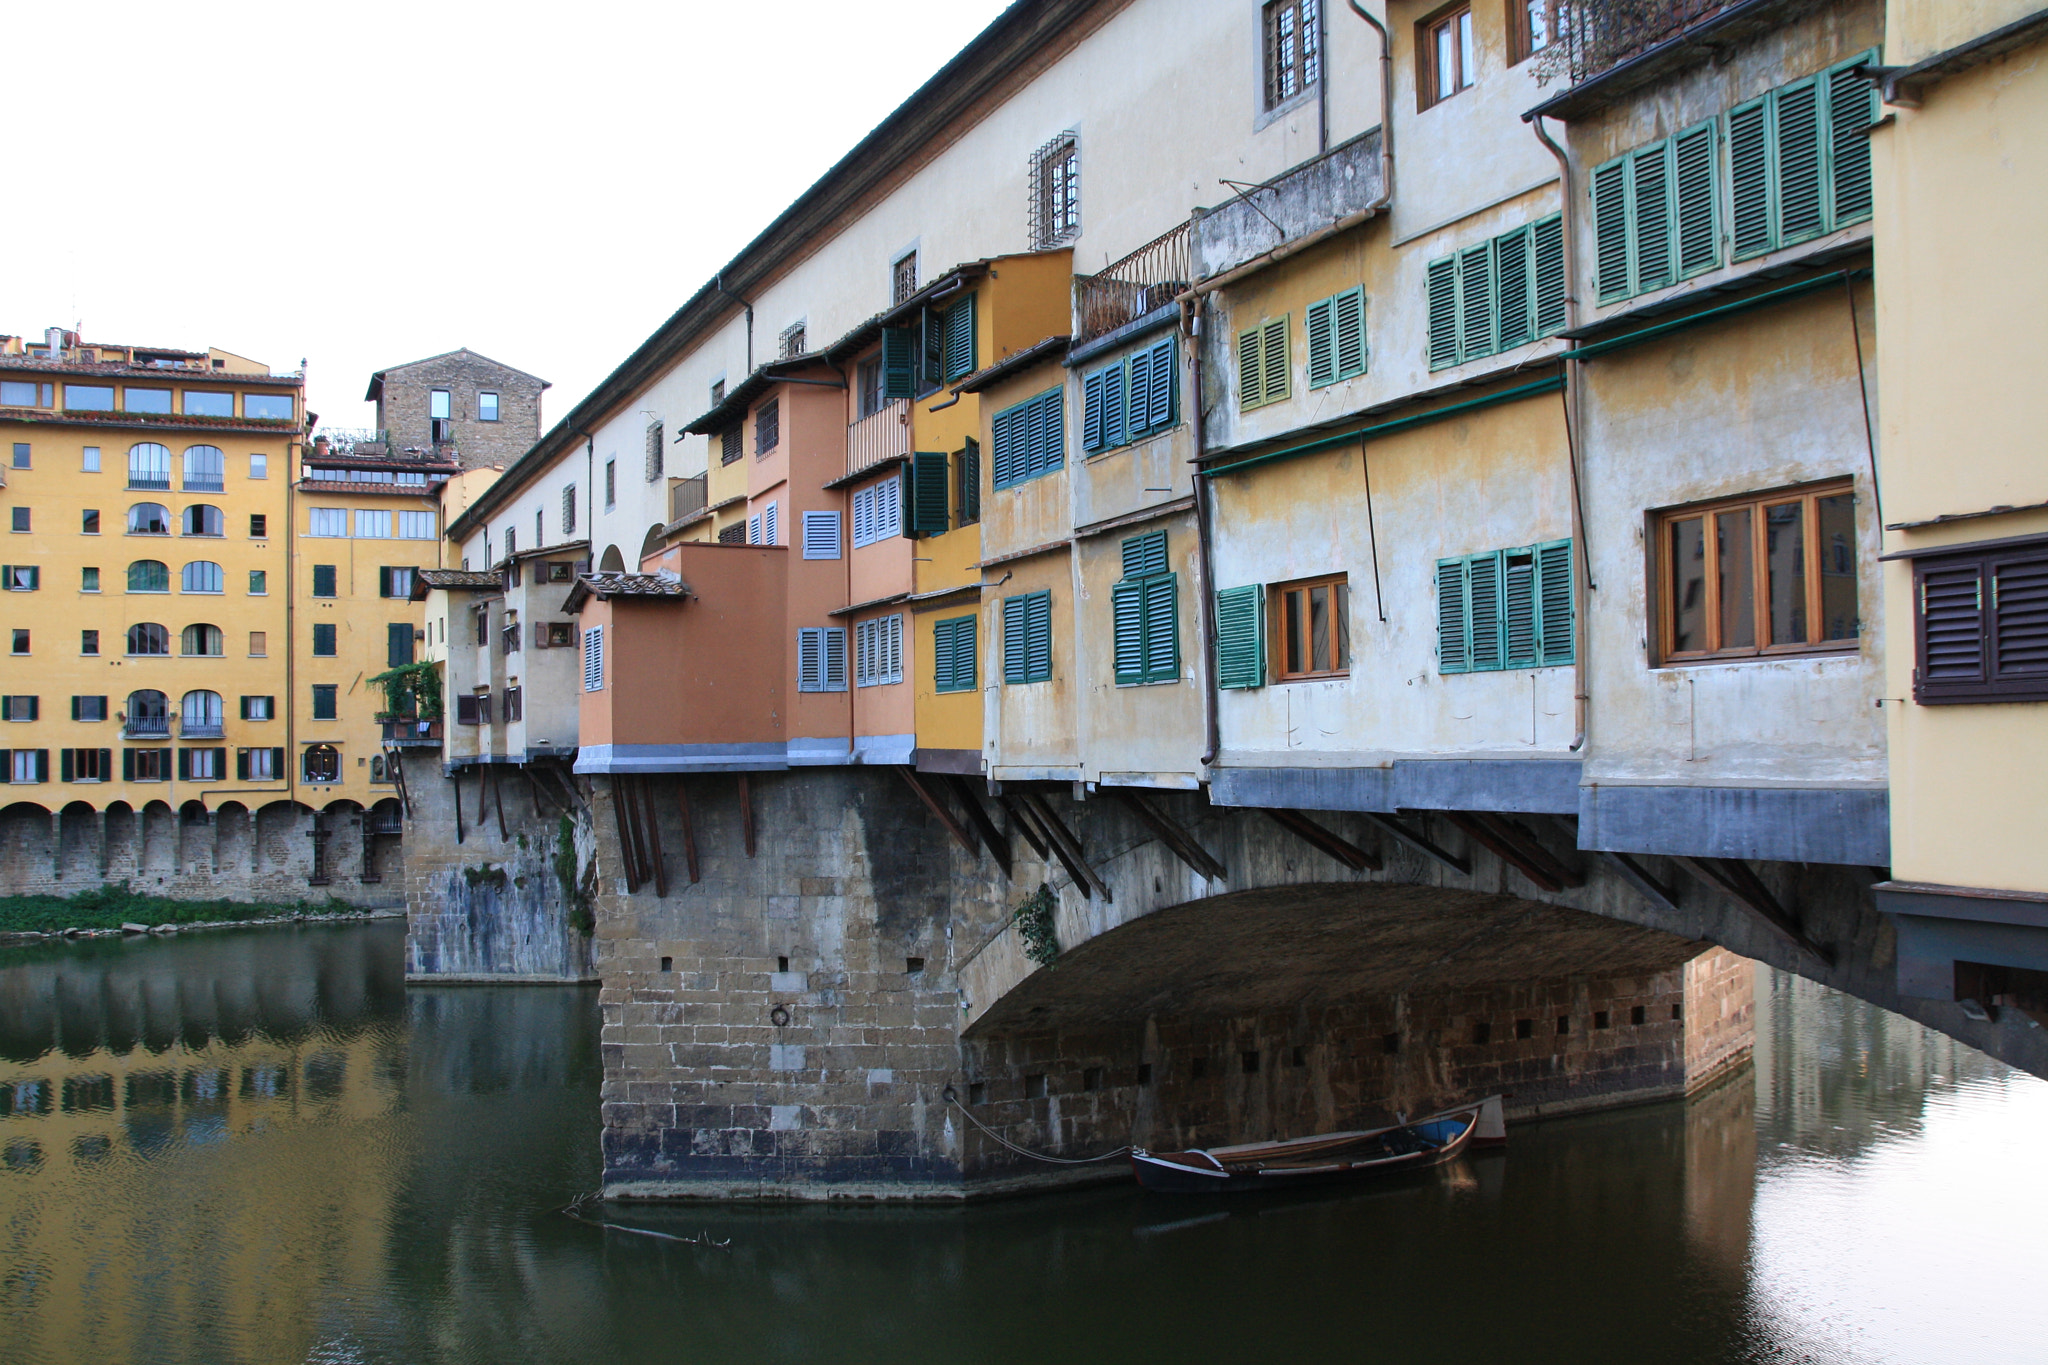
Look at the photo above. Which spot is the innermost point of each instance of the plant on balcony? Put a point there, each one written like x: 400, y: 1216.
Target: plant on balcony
x: 411, y: 691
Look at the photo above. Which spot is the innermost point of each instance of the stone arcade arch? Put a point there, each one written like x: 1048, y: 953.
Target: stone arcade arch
x: 611, y: 561
x: 651, y: 543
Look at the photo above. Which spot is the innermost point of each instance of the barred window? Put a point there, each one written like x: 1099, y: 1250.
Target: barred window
x: 1294, y: 56
x: 654, y: 452
x: 1056, y: 191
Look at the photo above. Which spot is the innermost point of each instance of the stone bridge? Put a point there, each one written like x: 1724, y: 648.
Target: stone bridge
x: 798, y: 966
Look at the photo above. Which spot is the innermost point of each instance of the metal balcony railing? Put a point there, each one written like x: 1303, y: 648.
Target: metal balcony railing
x: 685, y: 497
x: 882, y: 435
x: 1129, y: 288
x: 192, y: 729
x: 146, y: 727
x: 1593, y: 35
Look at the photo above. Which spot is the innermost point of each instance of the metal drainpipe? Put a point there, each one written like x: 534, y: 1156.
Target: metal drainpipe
x: 1386, y: 106
x: 1323, y: 81
x: 718, y: 283
x: 1575, y: 440
x: 1211, y: 726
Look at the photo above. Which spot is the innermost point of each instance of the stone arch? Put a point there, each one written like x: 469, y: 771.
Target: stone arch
x: 337, y: 842
x: 383, y: 849
x: 650, y: 544
x: 276, y: 823
x: 26, y: 843
x: 612, y: 561
x: 195, y: 839
x: 80, y: 852
x: 157, y: 841
x: 119, y: 824
x: 234, y: 838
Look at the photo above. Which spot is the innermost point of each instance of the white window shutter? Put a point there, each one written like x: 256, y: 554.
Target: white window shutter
x: 835, y: 659
x: 769, y: 526
x: 593, y: 659
x: 753, y: 530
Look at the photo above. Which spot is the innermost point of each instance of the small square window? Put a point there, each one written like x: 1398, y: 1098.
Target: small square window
x: 92, y: 460
x: 258, y: 644
x: 21, y: 642
x: 259, y: 583
x: 437, y: 404
x: 89, y: 522
x: 88, y: 642
x: 259, y: 526
x: 487, y: 407
x: 21, y: 518
x: 21, y: 454
x: 259, y: 466
x: 88, y: 579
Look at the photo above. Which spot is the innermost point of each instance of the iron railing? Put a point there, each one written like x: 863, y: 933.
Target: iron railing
x: 1593, y: 35
x: 882, y: 435
x: 686, y: 496
x: 1129, y: 288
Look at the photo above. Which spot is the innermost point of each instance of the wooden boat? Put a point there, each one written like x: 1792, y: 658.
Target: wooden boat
x: 1324, y: 1157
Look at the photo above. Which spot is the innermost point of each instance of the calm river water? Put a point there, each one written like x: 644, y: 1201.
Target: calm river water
x: 262, y: 1146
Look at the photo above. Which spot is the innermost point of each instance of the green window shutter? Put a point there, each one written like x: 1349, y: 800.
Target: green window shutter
x: 184, y: 765
x: 953, y: 654
x: 1145, y: 554
x: 66, y: 772
x: 1127, y: 617
x: 1251, y: 373
x: 959, y: 339
x: 1518, y: 608
x: 1016, y: 640
x: 42, y: 765
x: 1038, y: 637
x: 35, y: 708
x: 220, y: 761
x: 1546, y: 250
x: 245, y: 708
x: 384, y: 580
x: 277, y: 764
x: 6, y: 765
x: 942, y: 656
x: 1611, y: 230
x: 75, y: 702
x: 323, y: 580
x: 1137, y: 372
x: 127, y: 765
x: 1749, y: 178
x: 241, y: 765
x: 1241, y: 636
x: 1650, y: 217
x: 397, y: 644
x: 1319, y: 322
x: 1511, y: 289
x: 1049, y: 431
x: 1091, y: 410
x: 1554, y: 634
x: 1163, y: 402
x: 1161, y: 605
x: 1349, y: 318
x: 1453, y: 621
x: 1475, y: 301
x: 1006, y: 436
x: 970, y: 482
x: 1443, y: 312
x: 1695, y: 229
x: 1482, y: 592
x: 1797, y: 116
x: 899, y: 362
x: 323, y: 640
x: 1275, y: 361
x: 928, y: 493
x: 106, y: 763
x: 1114, y: 432
x: 1852, y: 108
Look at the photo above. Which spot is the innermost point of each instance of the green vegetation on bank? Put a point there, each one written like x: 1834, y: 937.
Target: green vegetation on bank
x: 109, y: 907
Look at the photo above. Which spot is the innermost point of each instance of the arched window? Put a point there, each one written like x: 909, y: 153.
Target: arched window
x: 149, y: 575
x: 205, y: 469
x: 323, y: 763
x: 147, y: 637
x: 149, y: 519
x: 202, y: 640
x: 202, y: 519
x: 149, y: 465
x: 149, y: 713
x: 201, y: 716
x: 201, y: 575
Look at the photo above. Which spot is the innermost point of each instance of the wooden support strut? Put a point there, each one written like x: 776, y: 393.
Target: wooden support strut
x: 1181, y: 842
x: 1021, y: 818
x: 1481, y: 831
x: 627, y: 861
x: 1740, y: 881
x: 1326, y: 840
x: 1420, y: 842
x: 961, y: 834
x: 1071, y: 855
x: 394, y: 764
x: 997, y: 843
x: 655, y: 857
x: 689, y: 832
x: 1657, y: 892
x: 498, y: 798
x: 455, y: 780
x: 746, y: 815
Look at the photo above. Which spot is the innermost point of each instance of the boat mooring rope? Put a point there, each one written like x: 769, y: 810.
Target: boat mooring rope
x: 575, y: 1210
x: 953, y: 1098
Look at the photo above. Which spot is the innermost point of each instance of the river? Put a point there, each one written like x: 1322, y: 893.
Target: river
x: 262, y: 1146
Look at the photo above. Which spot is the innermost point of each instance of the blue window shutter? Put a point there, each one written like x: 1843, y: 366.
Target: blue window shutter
x: 1038, y: 645
x: 1091, y: 410
x: 1127, y: 619
x: 1165, y: 386
x: 1145, y: 554
x: 1695, y: 227
x: 1453, y: 620
x: 1162, y: 628
x: 1611, y: 230
x: 1322, y: 342
x: 1749, y: 178
x: 1016, y: 640
x: 1518, y: 608
x: 1796, y: 110
x: 899, y: 362
x: 1443, y: 313
x: 1051, y: 431
x: 1650, y: 219
x: 1555, y: 635
x: 1348, y: 310
x: 1241, y: 636
x: 1475, y: 301
x: 928, y: 501
x: 1482, y: 578
x: 1547, y: 275
x: 959, y: 340
x: 1137, y: 380
x: 1852, y: 108
x: 1511, y: 289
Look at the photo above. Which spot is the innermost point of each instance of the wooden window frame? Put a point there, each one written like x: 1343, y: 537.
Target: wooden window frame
x: 1277, y: 630
x: 1663, y: 594
x: 1522, y: 44
x: 1427, y: 93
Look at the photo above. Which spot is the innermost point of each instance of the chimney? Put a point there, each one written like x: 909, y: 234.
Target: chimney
x: 53, y: 337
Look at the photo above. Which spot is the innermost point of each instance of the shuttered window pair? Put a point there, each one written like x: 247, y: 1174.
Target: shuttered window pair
x: 1263, y: 374
x: 1499, y: 294
x: 929, y: 489
x: 1027, y: 638
x: 1336, y: 337
x: 24, y: 765
x: 259, y: 765
x: 145, y: 765
x: 953, y: 654
x: 202, y: 765
x: 821, y: 659
x: 878, y: 511
x: 394, y: 581
x: 1655, y: 214
x: 86, y: 765
x: 1505, y: 609
x: 1799, y: 160
x: 1030, y: 438
x: 20, y: 577
x: 1136, y: 397
x: 593, y: 659
x: 1145, y: 612
x: 21, y: 708
x: 878, y: 651
x: 1981, y: 626
x: 821, y: 535
x: 90, y: 708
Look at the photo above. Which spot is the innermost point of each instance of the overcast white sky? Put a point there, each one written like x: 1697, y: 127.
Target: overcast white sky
x: 368, y: 183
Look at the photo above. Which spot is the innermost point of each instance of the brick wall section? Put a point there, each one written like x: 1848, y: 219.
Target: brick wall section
x: 404, y: 414
x: 1720, y: 1015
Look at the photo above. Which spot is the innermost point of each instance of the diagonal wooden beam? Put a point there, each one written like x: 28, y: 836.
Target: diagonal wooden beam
x: 655, y: 857
x: 1326, y: 840
x: 498, y: 797
x: 997, y: 843
x: 1481, y: 832
x: 1067, y: 846
x: 1564, y: 867
x: 621, y: 810
x: 1419, y: 841
x: 689, y: 831
x: 1740, y: 881
x: 1635, y: 874
x: 1021, y: 818
x: 746, y: 815
x: 961, y: 834
x: 1177, y: 839
x: 455, y: 785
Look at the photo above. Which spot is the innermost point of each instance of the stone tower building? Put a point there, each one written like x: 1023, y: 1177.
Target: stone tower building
x: 460, y: 402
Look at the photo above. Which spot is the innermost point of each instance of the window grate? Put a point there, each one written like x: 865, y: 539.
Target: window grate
x: 1056, y: 191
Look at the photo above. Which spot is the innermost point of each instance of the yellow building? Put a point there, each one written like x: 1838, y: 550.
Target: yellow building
x: 147, y: 493
x: 368, y: 519
x: 1961, y: 161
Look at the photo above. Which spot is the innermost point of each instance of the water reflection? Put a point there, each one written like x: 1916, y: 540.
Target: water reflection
x: 315, y: 1164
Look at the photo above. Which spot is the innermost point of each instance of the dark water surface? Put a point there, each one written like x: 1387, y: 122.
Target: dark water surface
x: 261, y: 1146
